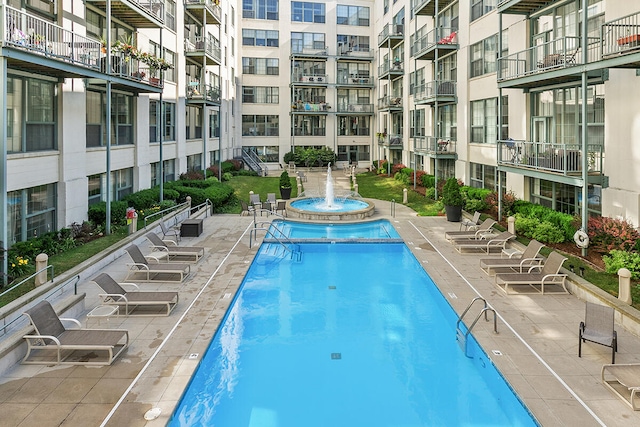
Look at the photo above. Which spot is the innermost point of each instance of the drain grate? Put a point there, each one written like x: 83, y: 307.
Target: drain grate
x: 336, y: 356
x: 331, y: 287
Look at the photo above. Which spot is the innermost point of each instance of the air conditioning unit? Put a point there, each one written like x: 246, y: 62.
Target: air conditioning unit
x: 319, y: 79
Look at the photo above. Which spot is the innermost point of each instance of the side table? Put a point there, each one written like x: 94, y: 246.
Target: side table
x: 191, y: 228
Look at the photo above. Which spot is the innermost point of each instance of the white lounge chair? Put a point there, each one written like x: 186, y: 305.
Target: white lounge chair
x: 487, y: 243
x: 141, y: 303
x: 517, y: 264
x: 485, y: 228
x: 624, y: 381
x: 548, y: 275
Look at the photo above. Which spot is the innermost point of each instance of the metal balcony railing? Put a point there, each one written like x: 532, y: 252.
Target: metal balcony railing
x: 565, y: 159
x: 355, y: 108
x: 354, y: 79
x: 391, y: 30
x: 209, y: 45
x: 434, y: 89
x: 390, y: 102
x: 212, y: 5
x: 199, y: 91
x: 434, y: 145
x: 621, y: 35
x: 397, y: 67
x: 437, y: 36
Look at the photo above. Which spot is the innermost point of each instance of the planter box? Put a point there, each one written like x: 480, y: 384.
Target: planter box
x: 631, y: 40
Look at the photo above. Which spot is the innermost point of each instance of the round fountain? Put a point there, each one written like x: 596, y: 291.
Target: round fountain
x: 330, y: 206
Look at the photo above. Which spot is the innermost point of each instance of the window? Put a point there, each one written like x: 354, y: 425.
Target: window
x: 94, y: 194
x: 168, y: 169
x: 233, y: 16
x: 45, y: 7
x: 170, y: 74
x: 30, y: 115
x: 481, y: 7
x: 259, y: 38
x: 31, y: 212
x: 123, y: 183
x: 449, y: 17
x: 484, y: 120
x: 307, y: 41
x: 260, y: 9
x: 121, y: 119
x: 170, y: 14
x: 260, y: 95
x: 354, y: 125
x: 348, y: 43
x: 307, y: 12
x: 310, y: 125
x: 260, y: 125
x: 154, y: 120
x: 484, y: 176
x: 418, y: 130
x: 169, y: 121
x: 353, y: 15
x: 194, y: 162
x: 193, y: 123
x: 353, y: 153
x: 266, y: 153
x: 264, y: 66
x: 356, y: 100
x: 483, y: 56
x: 214, y: 125
x: 385, y: 7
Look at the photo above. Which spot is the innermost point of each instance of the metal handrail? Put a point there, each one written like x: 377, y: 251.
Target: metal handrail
x: 23, y: 281
x: 161, y: 213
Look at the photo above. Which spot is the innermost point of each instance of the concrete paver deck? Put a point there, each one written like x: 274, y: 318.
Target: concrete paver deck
x: 536, y: 348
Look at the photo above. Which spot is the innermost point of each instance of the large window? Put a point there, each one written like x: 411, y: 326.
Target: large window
x: 168, y: 169
x: 260, y: 95
x: 353, y: 15
x: 353, y: 153
x: 266, y: 153
x: 307, y: 12
x: 310, y: 125
x: 481, y: 7
x: 122, y: 183
x: 417, y: 122
x: 31, y: 212
x: 483, y: 56
x: 193, y: 124
x: 260, y: 9
x: 349, y: 43
x: 121, y: 119
x: 484, y: 120
x: 30, y: 115
x: 169, y: 74
x: 260, y: 125
x: 194, y: 162
x: 484, y: 176
x: 354, y: 125
x: 265, y: 66
x: 307, y: 41
x: 259, y: 38
x: 170, y: 14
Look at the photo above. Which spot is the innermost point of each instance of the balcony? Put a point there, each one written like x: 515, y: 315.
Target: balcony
x: 441, y: 91
x: 310, y: 108
x: 442, y: 40
x: 621, y: 41
x: 309, y: 80
x: 435, y: 147
x: 40, y: 47
x: 391, y: 36
x: 390, y: 103
x: 300, y: 52
x: 393, y: 141
x: 560, y: 162
x: 554, y: 62
x: 389, y: 70
x: 428, y: 7
x: 203, y: 94
x: 355, y: 109
x: 201, y: 48
x: 521, y: 7
x: 136, y: 13
x: 205, y: 11
x: 355, y: 80
x: 355, y: 53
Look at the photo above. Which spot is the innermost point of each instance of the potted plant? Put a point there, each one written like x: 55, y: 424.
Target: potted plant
x: 452, y: 200
x: 285, y: 185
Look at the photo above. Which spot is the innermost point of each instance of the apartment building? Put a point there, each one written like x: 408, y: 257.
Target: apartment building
x: 502, y: 94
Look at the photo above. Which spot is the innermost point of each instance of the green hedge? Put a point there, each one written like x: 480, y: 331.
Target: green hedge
x: 563, y: 222
x: 98, y: 212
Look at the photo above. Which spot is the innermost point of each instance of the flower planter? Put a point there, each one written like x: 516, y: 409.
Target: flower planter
x: 454, y: 213
x: 285, y: 193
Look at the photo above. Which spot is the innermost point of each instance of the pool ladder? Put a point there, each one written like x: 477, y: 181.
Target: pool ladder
x: 461, y: 336
x: 282, y: 242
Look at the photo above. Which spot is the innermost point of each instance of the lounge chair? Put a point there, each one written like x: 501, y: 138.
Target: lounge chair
x: 52, y: 343
x: 174, y: 252
x: 484, y: 228
x: 271, y: 201
x: 173, y: 231
x: 549, y: 274
x: 487, y: 243
x: 143, y: 271
x: 598, y: 327
x: 473, y: 222
x: 529, y: 258
x: 246, y: 208
x: 624, y: 381
x: 145, y: 303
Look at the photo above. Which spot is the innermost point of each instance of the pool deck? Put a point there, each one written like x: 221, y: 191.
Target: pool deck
x: 537, y: 340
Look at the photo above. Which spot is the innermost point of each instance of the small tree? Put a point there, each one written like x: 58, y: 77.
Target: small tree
x: 285, y: 181
x: 451, y: 194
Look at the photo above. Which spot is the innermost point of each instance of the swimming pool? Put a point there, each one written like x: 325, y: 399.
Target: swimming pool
x: 350, y: 335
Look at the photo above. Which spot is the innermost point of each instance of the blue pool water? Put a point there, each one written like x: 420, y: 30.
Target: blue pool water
x: 351, y: 335
x: 319, y: 205
x: 366, y: 230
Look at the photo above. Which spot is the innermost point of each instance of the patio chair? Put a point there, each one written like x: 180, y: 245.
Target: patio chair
x: 170, y: 231
x: 487, y: 243
x: 271, y: 201
x: 624, y: 381
x: 281, y: 206
x: 254, y: 199
x: 598, y: 327
x: 302, y: 176
x: 52, y: 343
x: 485, y: 227
x: 143, y: 271
x: 174, y: 252
x: 518, y: 264
x: 549, y: 274
x: 145, y: 303
x: 249, y: 210
x: 473, y: 222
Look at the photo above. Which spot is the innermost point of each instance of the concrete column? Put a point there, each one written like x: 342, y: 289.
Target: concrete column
x: 624, y: 286
x: 405, y: 198
x: 42, y: 260
x: 511, y: 225
x: 355, y: 187
x: 299, y: 188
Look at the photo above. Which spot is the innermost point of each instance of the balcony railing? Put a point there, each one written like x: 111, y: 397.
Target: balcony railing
x: 212, y: 6
x: 565, y: 159
x: 391, y: 141
x: 205, y: 92
x: 387, y: 67
x: 355, y: 51
x: 208, y: 45
x: 314, y: 131
x: 432, y: 90
x: 355, y: 108
x: 354, y: 79
x: 298, y: 50
x: 310, y: 107
x: 621, y: 35
x: 557, y: 54
x: 434, y: 145
x: 390, y: 102
x: 25, y: 31
x: 391, y: 31
x: 441, y: 36
x: 312, y: 79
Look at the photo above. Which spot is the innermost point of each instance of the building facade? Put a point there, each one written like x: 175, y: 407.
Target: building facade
x: 534, y: 97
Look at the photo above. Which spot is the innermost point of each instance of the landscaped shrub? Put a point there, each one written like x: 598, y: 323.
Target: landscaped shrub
x: 508, y: 201
x: 311, y: 156
x: 428, y: 181
x: 565, y: 223
x: 397, y: 168
x: 543, y: 231
x: 606, y: 234
x: 192, y: 175
x: 218, y: 193
x: 97, y: 212
x: 430, y: 193
x: 475, y: 198
x: 618, y: 259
